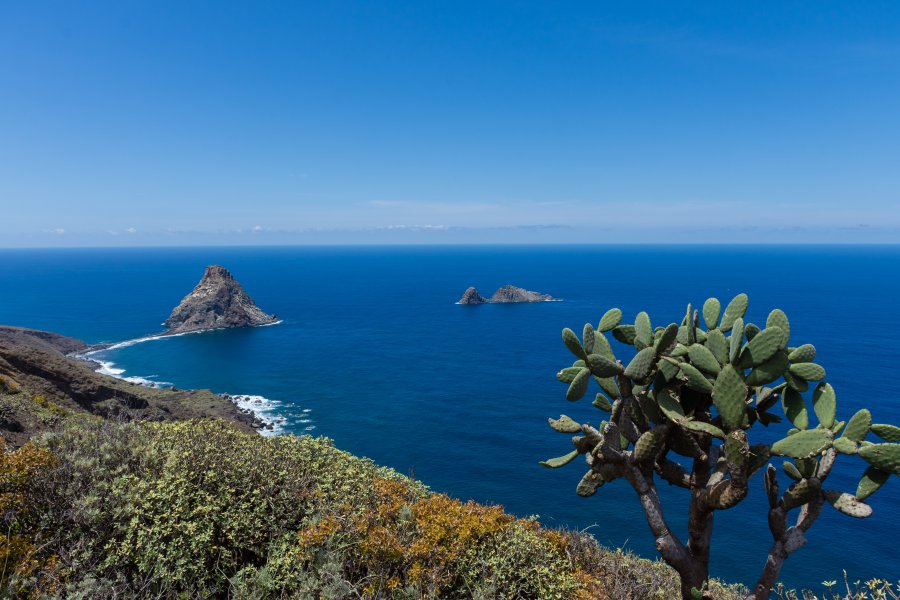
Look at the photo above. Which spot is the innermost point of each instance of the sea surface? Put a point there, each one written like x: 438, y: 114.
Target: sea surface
x: 373, y: 352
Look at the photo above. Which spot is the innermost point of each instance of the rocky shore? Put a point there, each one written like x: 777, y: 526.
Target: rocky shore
x: 41, y: 365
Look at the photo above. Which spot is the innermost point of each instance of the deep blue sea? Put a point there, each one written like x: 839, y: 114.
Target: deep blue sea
x: 374, y: 353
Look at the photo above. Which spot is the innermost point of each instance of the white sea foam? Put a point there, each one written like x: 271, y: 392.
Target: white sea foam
x: 160, y: 336
x: 265, y: 410
x: 108, y: 368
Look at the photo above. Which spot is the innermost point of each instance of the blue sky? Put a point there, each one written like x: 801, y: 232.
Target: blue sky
x: 144, y: 123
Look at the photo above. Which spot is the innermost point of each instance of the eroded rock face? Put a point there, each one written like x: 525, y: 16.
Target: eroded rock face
x: 507, y: 293
x: 471, y: 296
x: 218, y: 301
x: 511, y: 293
x: 36, y: 363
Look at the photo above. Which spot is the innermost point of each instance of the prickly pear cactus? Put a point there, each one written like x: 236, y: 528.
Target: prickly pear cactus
x: 697, y: 393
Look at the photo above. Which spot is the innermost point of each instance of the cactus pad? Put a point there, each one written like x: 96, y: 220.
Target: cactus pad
x: 564, y: 424
x: 670, y: 405
x: 735, y: 341
x: 624, y: 333
x: 650, y: 443
x: 573, y: 344
x: 730, y: 395
x: 609, y: 320
x: 588, y: 336
x: 641, y: 366
x: 568, y: 375
x: 777, y: 318
x: 858, y: 426
x: 578, y: 386
x: 702, y: 358
x: 711, y: 310
x: 602, y: 402
x: 801, y: 492
x: 846, y: 446
x: 695, y: 379
x: 735, y: 310
x: 703, y: 427
x: 643, y: 332
x: 560, y: 461
x: 589, y: 484
x: 791, y: 471
x: 770, y: 370
x: 825, y: 404
x: 884, y: 457
x: 848, y: 504
x: 666, y: 342
x: 601, y: 366
x: 763, y: 346
x: 718, y: 345
x: 870, y: 481
x: 804, y: 353
x: 809, y: 371
x: 888, y: 433
x: 803, y: 444
x: 795, y: 408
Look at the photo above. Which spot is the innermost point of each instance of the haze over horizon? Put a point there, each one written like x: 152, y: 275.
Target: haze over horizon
x: 145, y: 124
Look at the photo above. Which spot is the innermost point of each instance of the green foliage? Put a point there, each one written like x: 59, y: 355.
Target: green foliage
x: 518, y: 562
x: 687, y: 388
x: 199, y: 509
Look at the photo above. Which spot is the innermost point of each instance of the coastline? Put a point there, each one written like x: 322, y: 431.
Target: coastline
x: 259, y: 408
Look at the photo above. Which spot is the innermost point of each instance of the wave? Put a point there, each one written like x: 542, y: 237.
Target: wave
x: 272, y: 419
x: 109, y: 368
x: 159, y: 336
x: 264, y: 409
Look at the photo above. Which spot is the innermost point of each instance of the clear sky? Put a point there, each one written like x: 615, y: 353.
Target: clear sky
x: 142, y: 123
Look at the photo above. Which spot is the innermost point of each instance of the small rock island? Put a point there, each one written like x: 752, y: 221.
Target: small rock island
x: 218, y: 301
x: 505, y: 294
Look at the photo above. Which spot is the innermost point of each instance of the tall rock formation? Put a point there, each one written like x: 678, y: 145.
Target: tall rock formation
x: 218, y: 301
x: 471, y: 296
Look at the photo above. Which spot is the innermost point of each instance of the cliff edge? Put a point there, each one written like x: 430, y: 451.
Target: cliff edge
x: 218, y: 301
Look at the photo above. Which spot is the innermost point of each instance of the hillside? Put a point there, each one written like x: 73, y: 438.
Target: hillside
x: 38, y: 364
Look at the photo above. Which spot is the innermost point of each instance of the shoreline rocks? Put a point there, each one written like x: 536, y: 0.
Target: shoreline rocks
x: 503, y: 295
x: 217, y: 302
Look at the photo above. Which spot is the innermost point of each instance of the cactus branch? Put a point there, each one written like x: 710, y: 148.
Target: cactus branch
x: 699, y: 394
x: 672, y: 472
x: 787, y: 540
x: 669, y: 546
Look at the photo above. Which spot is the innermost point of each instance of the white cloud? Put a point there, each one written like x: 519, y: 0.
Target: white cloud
x: 131, y: 230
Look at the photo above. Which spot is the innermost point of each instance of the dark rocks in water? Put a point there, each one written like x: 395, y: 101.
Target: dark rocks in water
x: 218, y: 301
x: 505, y: 294
x: 471, y: 296
x: 511, y: 293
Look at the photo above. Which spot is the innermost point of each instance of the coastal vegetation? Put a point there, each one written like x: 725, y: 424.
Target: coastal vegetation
x: 682, y: 410
x: 103, y: 508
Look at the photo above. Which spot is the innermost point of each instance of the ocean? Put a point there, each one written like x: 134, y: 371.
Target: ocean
x: 373, y: 352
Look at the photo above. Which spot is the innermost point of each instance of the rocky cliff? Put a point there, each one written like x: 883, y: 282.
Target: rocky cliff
x: 216, y: 302
x: 507, y: 293
x: 40, y: 384
x: 471, y: 296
